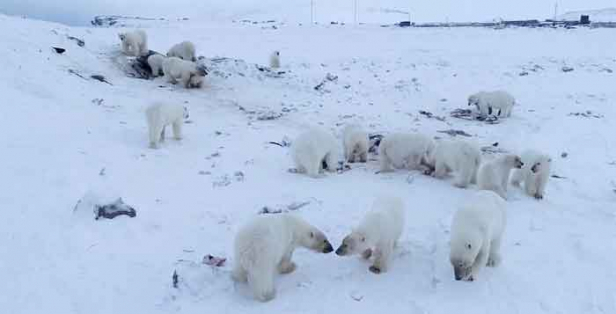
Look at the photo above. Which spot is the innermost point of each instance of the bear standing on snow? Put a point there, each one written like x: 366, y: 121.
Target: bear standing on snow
x: 494, y: 174
x: 476, y: 234
x: 355, y: 141
x: 377, y: 233
x: 184, y: 50
x: 497, y: 103
x: 534, y: 173
x: 264, y: 247
x: 134, y: 43
x: 185, y: 72
x: 314, y: 150
x: 457, y: 156
x: 155, y: 62
x: 275, y: 60
x: 159, y: 115
x: 402, y: 150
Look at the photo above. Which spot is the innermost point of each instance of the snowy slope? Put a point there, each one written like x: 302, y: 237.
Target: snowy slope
x: 603, y: 15
x: 191, y: 198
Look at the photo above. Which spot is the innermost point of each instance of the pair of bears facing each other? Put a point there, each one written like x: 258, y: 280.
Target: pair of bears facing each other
x: 264, y: 246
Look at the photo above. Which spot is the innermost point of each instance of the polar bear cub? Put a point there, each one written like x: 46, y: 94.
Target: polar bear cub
x: 184, y: 50
x: 535, y: 173
x: 456, y: 156
x: 315, y: 150
x: 402, y: 150
x: 494, y: 174
x: 498, y: 103
x: 355, y: 141
x: 275, y: 60
x: 134, y: 43
x: 476, y: 233
x: 265, y: 246
x: 185, y: 72
x: 159, y: 115
x: 155, y: 62
x: 377, y: 233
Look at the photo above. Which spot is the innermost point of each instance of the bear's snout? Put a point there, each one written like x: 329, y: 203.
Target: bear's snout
x: 328, y: 247
x: 341, y: 250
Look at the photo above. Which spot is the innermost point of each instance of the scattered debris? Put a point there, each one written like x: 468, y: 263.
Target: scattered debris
x: 214, y: 261
x: 71, y: 71
x: 429, y: 115
x: 98, y: 101
x: 493, y: 149
x: 468, y: 114
x: 286, y: 142
x: 328, y: 78
x: 567, y: 69
x: 100, y: 78
x: 59, y: 50
x: 564, y: 155
x: 102, y: 172
x: 114, y: 209
x: 239, y: 176
x: 586, y: 114
x: 288, y: 208
x: 203, y: 173
x: 454, y: 133
x: 175, y: 279
x: 79, y: 42
x: 356, y: 296
x: 555, y: 176
x: 268, y: 115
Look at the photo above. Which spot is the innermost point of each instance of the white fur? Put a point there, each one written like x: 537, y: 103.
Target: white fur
x: 377, y: 234
x: 155, y: 62
x: 402, y: 150
x: 313, y: 147
x: 264, y: 247
x: 355, y: 141
x: 476, y: 234
x: 159, y: 115
x: 497, y: 103
x: 184, y: 50
x: 134, y: 43
x: 185, y: 72
x: 457, y: 156
x: 494, y: 174
x: 535, y: 173
x: 275, y: 60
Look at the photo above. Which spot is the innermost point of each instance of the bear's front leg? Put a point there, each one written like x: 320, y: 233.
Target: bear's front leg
x: 382, y: 254
x: 480, y: 261
x: 177, y: 130
x: 286, y: 266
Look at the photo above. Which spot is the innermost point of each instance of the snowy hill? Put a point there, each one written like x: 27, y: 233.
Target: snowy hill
x: 603, y: 15
x: 66, y: 135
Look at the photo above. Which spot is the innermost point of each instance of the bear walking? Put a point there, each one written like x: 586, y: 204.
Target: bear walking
x: 314, y: 150
x: 134, y: 43
x: 535, y: 173
x: 494, y: 174
x: 456, y: 156
x: 497, y: 103
x: 159, y: 115
x: 401, y: 150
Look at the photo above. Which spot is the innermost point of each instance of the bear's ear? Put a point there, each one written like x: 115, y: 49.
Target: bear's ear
x: 311, y: 235
x: 469, y: 246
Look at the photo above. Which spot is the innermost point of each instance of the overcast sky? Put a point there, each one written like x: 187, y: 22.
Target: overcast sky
x: 80, y: 12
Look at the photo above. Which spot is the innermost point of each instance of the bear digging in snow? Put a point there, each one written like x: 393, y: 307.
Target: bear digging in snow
x: 186, y: 72
x: 534, y: 173
x: 275, y: 60
x: 184, y: 50
x: 159, y: 115
x: 155, y: 62
x: 497, y: 103
x: 134, y: 43
x: 476, y: 233
x: 264, y: 247
x: 377, y: 233
x: 457, y: 156
x: 314, y: 150
x: 494, y: 174
x: 355, y: 141
x: 402, y: 150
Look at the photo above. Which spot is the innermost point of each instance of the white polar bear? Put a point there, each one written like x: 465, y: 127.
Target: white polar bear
x: 457, y: 156
x: 494, y: 174
x: 314, y: 150
x: 159, y: 115
x: 134, y: 43
x: 476, y: 233
x: 265, y: 246
x: 402, y: 150
x: 184, y: 50
x: 377, y: 233
x: 275, y: 60
x: 535, y: 173
x: 155, y: 62
x: 186, y: 72
x: 355, y: 141
x: 497, y: 103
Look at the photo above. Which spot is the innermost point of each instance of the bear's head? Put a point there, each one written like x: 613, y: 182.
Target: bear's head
x: 195, y: 80
x: 513, y: 161
x: 542, y: 164
x: 473, y: 100
x: 122, y: 36
x: 464, y: 251
x: 354, y: 243
x: 316, y: 240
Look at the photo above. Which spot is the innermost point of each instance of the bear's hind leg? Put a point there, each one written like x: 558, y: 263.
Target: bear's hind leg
x: 177, y: 129
x: 494, y: 258
x: 261, y: 282
x: 239, y: 274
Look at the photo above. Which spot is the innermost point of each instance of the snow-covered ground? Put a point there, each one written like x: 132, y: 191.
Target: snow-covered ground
x: 64, y: 136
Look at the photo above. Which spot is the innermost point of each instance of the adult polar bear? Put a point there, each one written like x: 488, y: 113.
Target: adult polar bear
x: 405, y: 151
x: 185, y: 72
x: 134, y: 43
x: 476, y: 235
x: 159, y: 115
x: 314, y: 150
x: 184, y: 50
x: 457, y: 156
x: 497, y: 103
x: 265, y: 246
x: 535, y: 173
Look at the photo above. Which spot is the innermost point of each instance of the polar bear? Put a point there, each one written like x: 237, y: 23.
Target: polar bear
x: 355, y: 141
x: 497, y: 103
x: 494, y: 174
x: 314, y: 150
x: 134, y: 43
x: 265, y: 246
x: 186, y: 72
x: 159, y: 115
x: 377, y: 233
x: 457, y: 156
x: 155, y: 62
x: 402, y: 150
x: 275, y: 60
x: 476, y: 233
x: 535, y: 173
x: 184, y: 50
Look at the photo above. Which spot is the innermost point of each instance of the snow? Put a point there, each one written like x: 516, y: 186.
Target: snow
x: 602, y: 15
x: 191, y: 196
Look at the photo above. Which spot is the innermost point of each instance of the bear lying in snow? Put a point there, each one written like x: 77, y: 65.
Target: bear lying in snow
x: 355, y: 141
x: 185, y: 72
x: 494, y: 174
x: 476, y: 234
x: 184, y: 50
x: 497, y: 103
x: 314, y: 150
x: 377, y: 233
x: 534, y: 173
x: 264, y: 247
x: 456, y: 156
x: 134, y: 43
x: 159, y: 115
x: 405, y: 151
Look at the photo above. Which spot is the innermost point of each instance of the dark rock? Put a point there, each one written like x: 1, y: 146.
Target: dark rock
x: 114, y: 210
x: 59, y: 50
